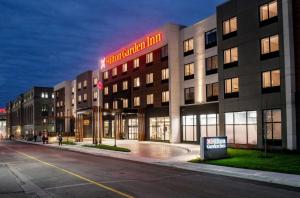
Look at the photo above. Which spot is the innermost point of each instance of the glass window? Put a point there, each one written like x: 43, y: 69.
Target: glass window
x: 270, y: 44
x: 125, y: 103
x: 115, y: 104
x: 149, y: 78
x: 189, y: 69
x: 85, y: 97
x: 160, y: 128
x: 125, y: 85
x: 106, y: 90
x: 136, y: 63
x: 231, y: 55
x: 124, y: 67
x: 149, y: 57
x: 95, y: 95
x: 164, y: 51
x: 84, y: 83
x: 136, y: 82
x: 165, y: 96
x: 273, y: 125
x: 189, y: 95
x: 231, y: 85
x: 209, y: 125
x: 115, y: 88
x: 165, y: 74
x: 271, y: 79
x: 241, y: 127
x: 136, y: 101
x: 105, y: 75
x: 115, y: 71
x: 188, y: 45
x: 211, y: 63
x: 268, y: 11
x: 230, y: 26
x: 95, y: 81
x: 106, y: 105
x: 212, y: 90
x: 79, y: 85
x: 189, y: 128
x: 150, y: 98
x: 211, y: 38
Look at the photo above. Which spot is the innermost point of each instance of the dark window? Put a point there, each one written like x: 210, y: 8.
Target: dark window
x: 212, y: 92
x: 211, y: 65
x: 211, y: 38
x: 189, y: 95
x: 164, y: 52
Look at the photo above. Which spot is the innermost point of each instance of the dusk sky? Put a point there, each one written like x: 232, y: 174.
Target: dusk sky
x: 44, y: 42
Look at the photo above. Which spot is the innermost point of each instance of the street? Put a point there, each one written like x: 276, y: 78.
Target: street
x: 36, y: 171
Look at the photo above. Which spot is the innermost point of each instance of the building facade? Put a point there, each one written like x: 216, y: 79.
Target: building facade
x: 3, y: 118
x: 31, y: 113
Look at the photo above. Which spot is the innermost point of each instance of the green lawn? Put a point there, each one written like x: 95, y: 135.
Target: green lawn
x: 69, y: 143
x: 108, y: 147
x: 253, y: 159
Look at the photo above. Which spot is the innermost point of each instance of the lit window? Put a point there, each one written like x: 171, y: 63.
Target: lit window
x: 209, y: 125
x: 165, y: 97
x: 84, y: 83
x: 42, y: 95
x: 270, y: 44
x: 189, y: 71
x: 189, y: 95
x: 125, y: 103
x: 230, y: 26
x: 106, y: 90
x: 124, y: 68
x: 73, y: 101
x: 165, y: 74
x: 79, y: 85
x: 61, y: 103
x: 211, y: 65
x: 149, y: 78
x: 136, y: 82
x: 85, y: 97
x: 115, y: 88
x: 150, y: 98
x: 95, y: 95
x: 115, y: 104
x: 106, y: 105
x: 273, y: 126
x: 212, y: 91
x: 241, y: 127
x: 114, y: 71
x: 271, y: 79
x: 136, y: 101
x: 189, y: 127
x: 149, y: 57
x: 79, y: 98
x: 231, y: 55
x: 125, y: 85
x: 73, y: 90
x: 188, y: 45
x: 136, y: 63
x: 268, y: 11
x: 105, y: 75
x: 95, y: 82
x: 231, y: 86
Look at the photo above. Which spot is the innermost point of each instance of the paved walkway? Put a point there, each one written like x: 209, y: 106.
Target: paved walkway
x: 179, y: 158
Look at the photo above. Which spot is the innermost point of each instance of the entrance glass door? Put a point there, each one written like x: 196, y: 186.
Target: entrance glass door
x: 133, y: 132
x: 160, y: 128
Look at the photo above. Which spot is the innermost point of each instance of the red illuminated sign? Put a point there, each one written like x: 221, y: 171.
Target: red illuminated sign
x: 100, y: 85
x: 134, y: 48
x: 2, y: 110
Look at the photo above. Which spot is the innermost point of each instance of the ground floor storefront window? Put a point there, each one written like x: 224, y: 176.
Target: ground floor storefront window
x: 241, y: 127
x: 159, y: 128
x: 106, y: 129
x: 209, y: 125
x: 272, y: 126
x: 189, y: 128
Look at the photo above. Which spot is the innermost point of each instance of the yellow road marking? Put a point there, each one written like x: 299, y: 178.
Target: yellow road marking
x: 78, y: 176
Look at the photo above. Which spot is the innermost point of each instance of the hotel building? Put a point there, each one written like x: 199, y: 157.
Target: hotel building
x: 3, y: 119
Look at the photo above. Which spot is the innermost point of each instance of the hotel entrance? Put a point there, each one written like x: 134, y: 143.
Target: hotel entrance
x: 159, y: 128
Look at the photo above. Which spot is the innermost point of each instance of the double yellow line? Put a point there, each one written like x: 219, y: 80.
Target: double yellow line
x: 76, y: 175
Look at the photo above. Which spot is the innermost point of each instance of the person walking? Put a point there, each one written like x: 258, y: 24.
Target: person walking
x: 43, y: 139
x: 60, y: 139
x: 35, y: 137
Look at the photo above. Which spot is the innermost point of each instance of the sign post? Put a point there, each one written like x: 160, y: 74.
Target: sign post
x: 213, y: 147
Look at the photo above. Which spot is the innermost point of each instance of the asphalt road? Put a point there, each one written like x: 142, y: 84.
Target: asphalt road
x: 37, y: 171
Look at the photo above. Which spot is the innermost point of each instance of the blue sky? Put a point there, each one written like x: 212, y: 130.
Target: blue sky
x: 43, y: 42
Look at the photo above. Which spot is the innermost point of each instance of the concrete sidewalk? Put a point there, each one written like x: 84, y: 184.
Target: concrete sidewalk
x: 181, y: 162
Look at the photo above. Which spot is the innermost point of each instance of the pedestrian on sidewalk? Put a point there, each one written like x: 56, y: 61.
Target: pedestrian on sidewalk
x: 60, y: 139
x: 43, y: 139
x: 35, y: 137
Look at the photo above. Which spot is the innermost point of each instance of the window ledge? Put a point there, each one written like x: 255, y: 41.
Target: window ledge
x: 269, y: 55
x: 187, y: 53
x: 189, y: 77
x: 268, y: 21
x: 212, y: 71
x: 229, y: 35
x: 270, y: 90
x: 230, y: 65
x: 231, y: 95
